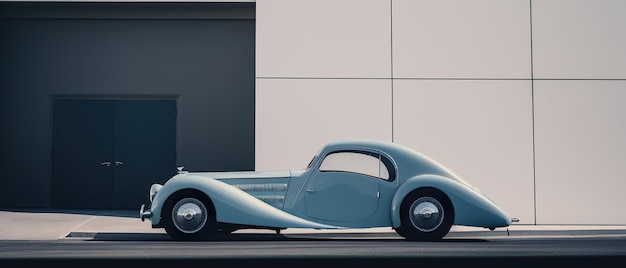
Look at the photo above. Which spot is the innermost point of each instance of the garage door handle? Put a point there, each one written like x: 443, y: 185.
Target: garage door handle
x: 119, y: 163
x: 108, y: 164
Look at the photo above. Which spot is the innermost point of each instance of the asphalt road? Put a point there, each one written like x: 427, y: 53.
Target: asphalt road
x: 598, y: 249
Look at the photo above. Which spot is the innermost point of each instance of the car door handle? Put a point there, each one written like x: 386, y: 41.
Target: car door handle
x: 310, y: 191
x: 119, y: 163
x: 108, y: 164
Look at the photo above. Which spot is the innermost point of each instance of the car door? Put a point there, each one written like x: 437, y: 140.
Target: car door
x: 345, y: 186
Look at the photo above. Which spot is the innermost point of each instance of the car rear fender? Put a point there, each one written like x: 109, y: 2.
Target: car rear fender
x: 471, y: 207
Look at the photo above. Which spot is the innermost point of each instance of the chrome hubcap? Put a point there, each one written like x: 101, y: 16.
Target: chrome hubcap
x: 426, y: 214
x: 189, y: 215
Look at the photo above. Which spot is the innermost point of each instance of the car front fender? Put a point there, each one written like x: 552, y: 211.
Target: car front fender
x: 232, y: 205
x: 471, y: 207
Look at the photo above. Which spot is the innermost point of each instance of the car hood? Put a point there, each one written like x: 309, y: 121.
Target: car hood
x: 246, y: 174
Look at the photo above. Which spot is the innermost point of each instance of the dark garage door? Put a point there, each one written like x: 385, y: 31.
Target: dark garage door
x: 107, y: 153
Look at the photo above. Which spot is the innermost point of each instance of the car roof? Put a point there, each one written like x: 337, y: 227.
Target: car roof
x: 401, y: 154
x: 385, y: 146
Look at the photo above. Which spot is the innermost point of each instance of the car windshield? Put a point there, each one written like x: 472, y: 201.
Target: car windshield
x: 314, y: 157
x: 311, y: 162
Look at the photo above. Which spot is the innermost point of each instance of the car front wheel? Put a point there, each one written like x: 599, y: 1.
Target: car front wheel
x: 425, y: 215
x: 188, y: 217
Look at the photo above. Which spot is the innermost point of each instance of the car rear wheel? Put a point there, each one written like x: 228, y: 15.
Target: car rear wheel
x: 425, y: 215
x: 189, y: 217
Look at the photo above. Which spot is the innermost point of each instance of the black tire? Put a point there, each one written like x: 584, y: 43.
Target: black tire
x: 189, y: 215
x: 426, y: 214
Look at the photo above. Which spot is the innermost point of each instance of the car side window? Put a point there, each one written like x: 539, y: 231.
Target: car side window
x: 361, y: 162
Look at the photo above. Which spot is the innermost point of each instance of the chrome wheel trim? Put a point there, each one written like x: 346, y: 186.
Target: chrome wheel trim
x: 426, y: 214
x: 189, y: 215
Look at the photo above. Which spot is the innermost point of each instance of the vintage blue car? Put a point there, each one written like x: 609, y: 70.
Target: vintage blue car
x: 347, y: 184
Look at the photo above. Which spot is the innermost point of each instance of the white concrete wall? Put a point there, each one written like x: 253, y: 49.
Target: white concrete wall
x: 579, y: 50
x: 523, y: 98
x: 323, y: 73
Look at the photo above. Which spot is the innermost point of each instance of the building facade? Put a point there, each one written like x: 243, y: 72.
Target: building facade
x: 523, y: 98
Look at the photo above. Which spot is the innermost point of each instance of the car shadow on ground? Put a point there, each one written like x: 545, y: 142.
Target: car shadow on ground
x: 262, y: 237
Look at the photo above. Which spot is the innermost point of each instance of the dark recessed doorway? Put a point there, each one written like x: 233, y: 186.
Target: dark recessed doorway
x: 107, y: 153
